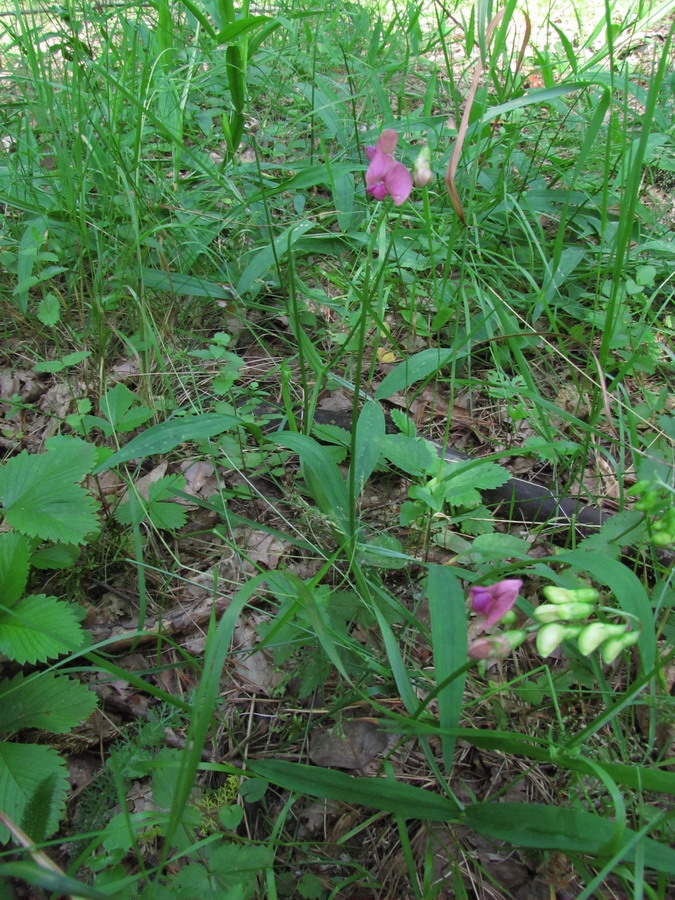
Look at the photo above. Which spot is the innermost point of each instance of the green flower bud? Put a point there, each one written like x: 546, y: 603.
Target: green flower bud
x: 509, y: 618
x: 422, y: 174
x: 556, y: 612
x: 594, y: 634
x: 552, y: 635
x: 515, y: 638
x: 568, y: 595
x: 611, y: 648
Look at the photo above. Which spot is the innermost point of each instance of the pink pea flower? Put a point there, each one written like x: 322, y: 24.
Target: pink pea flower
x: 493, y: 601
x: 384, y: 175
x: 496, y: 646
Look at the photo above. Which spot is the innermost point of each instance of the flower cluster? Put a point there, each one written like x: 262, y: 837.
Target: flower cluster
x: 385, y: 177
x: 564, y: 617
x: 561, y: 620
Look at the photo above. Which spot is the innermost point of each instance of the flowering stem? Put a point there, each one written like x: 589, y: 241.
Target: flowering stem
x: 367, y: 291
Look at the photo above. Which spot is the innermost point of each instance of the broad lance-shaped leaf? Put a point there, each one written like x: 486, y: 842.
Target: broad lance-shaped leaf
x: 45, y: 700
x: 378, y: 793
x: 565, y: 830
x: 164, y: 437
x: 24, y: 770
x: 40, y: 494
x: 38, y: 628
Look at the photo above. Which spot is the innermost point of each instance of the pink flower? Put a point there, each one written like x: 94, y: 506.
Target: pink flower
x: 496, y: 646
x: 384, y: 175
x: 493, y: 601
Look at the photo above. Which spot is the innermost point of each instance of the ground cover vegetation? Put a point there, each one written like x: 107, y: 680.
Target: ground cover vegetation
x: 298, y: 303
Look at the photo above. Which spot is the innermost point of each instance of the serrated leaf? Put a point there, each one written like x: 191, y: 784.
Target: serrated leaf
x: 40, y: 496
x: 55, y: 556
x: 49, y: 310
x: 168, y: 516
x: 38, y: 628
x: 123, y: 409
x: 70, y: 458
x: 23, y: 769
x: 164, y: 437
x: 412, y: 455
x: 463, y: 481
x: 14, y: 564
x: 53, y: 702
x: 479, y: 522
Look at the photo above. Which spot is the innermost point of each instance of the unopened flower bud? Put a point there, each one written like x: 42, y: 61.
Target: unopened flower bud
x: 556, y: 612
x: 552, y: 635
x: 422, y: 174
x: 496, y: 646
x: 596, y: 633
x: 568, y: 595
x: 611, y: 649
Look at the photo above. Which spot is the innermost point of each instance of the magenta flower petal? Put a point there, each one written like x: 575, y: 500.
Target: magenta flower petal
x: 378, y: 191
x: 379, y: 168
x: 386, y: 143
x: 399, y: 183
x: 493, y: 601
x: 370, y: 152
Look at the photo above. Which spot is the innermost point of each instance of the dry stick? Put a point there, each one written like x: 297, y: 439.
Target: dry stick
x: 464, y: 125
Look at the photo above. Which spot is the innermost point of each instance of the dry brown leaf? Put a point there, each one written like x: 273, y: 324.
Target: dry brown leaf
x: 350, y: 745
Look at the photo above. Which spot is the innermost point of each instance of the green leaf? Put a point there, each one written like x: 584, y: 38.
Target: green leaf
x: 377, y: 793
x: 370, y: 430
x: 321, y: 474
x: 412, y: 455
x: 236, y: 30
x: 49, y: 310
x: 23, y: 770
x: 447, y: 610
x: 463, y: 481
x: 40, y: 495
x: 184, y: 285
x: 55, y: 556
x: 58, y: 365
x: 55, y: 882
x: 55, y: 703
x: 270, y: 255
x: 123, y: 409
x: 628, y: 590
x: 38, y: 628
x: 421, y: 365
x: 166, y: 436
x: 160, y: 507
x: 14, y: 564
x: 564, y: 830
